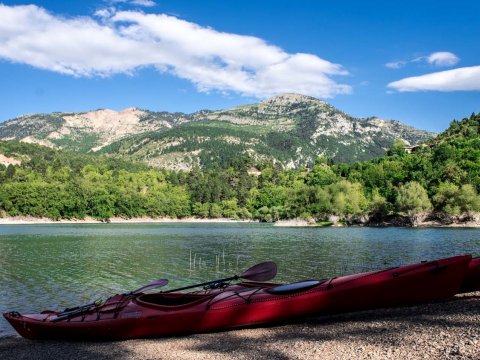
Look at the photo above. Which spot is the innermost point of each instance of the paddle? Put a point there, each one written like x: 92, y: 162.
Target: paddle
x: 80, y: 309
x: 261, y: 272
x: 154, y: 284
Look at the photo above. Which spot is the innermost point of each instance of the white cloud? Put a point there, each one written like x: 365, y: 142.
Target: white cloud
x: 466, y: 79
x: 145, y: 3
x: 443, y: 58
x: 440, y: 58
x: 104, y: 13
x: 396, y: 64
x: 123, y: 41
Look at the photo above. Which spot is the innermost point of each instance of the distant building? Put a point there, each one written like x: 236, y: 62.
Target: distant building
x: 411, y: 149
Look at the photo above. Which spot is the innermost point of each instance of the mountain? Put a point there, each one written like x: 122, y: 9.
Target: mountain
x: 291, y: 129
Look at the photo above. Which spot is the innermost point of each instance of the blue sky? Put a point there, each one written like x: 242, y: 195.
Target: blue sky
x: 413, y: 61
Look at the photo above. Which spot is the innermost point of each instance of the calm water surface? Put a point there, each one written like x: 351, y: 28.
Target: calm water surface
x: 57, y: 266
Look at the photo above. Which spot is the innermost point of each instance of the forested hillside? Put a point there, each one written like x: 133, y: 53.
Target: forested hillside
x: 442, y: 176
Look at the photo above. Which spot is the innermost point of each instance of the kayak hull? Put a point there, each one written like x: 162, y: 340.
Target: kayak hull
x: 472, y: 280
x: 247, y: 304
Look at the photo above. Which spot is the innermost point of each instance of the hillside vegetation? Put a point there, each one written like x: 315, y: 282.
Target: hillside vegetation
x: 443, y: 178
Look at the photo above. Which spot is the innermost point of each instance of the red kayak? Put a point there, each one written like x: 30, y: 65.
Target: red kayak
x: 142, y: 315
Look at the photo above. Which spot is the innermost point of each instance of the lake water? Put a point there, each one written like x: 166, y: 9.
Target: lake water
x: 58, y: 266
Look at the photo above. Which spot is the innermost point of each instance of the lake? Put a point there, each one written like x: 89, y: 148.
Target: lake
x: 58, y: 266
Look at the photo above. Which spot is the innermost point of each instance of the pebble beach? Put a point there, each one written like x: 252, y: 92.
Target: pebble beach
x: 443, y: 330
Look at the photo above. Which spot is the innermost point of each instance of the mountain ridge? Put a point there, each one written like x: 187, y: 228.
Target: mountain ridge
x: 291, y: 129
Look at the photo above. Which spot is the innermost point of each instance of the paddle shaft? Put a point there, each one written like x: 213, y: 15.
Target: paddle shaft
x: 72, y: 313
x: 76, y: 308
x: 236, y: 277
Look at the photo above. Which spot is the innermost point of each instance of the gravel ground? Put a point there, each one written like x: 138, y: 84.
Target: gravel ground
x: 443, y: 330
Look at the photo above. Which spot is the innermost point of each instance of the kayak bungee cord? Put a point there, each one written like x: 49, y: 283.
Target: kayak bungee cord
x: 71, y: 312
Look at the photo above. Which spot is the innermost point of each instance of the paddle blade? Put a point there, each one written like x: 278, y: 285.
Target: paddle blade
x: 261, y: 272
x: 154, y: 284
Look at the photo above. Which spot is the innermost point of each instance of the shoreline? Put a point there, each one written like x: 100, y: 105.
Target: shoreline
x: 31, y: 220
x: 440, y: 330
x: 421, y: 225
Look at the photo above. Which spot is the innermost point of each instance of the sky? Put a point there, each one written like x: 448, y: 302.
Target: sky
x: 413, y: 61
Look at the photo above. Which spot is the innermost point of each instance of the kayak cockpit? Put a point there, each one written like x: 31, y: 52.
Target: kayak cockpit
x: 171, y: 300
x: 295, y: 287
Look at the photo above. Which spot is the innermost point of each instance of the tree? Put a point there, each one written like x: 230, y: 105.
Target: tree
x: 413, y: 200
x: 398, y: 148
x: 347, y: 198
x: 469, y: 199
x: 200, y: 209
x: 321, y: 174
x: 215, y: 211
x: 229, y: 208
x: 378, y: 205
x: 454, y: 200
x: 10, y: 173
x: 322, y: 206
x: 446, y: 198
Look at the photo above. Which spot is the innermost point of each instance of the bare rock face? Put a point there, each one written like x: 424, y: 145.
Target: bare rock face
x: 290, y: 129
x: 88, y: 131
x: 8, y: 160
x: 109, y: 125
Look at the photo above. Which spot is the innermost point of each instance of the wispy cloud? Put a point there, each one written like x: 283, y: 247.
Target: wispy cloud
x: 105, y: 12
x: 438, y: 59
x: 461, y: 79
x: 145, y: 3
x: 443, y: 58
x: 123, y: 41
x: 396, y: 64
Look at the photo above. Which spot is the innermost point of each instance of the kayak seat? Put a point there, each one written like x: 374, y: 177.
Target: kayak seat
x: 295, y: 287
